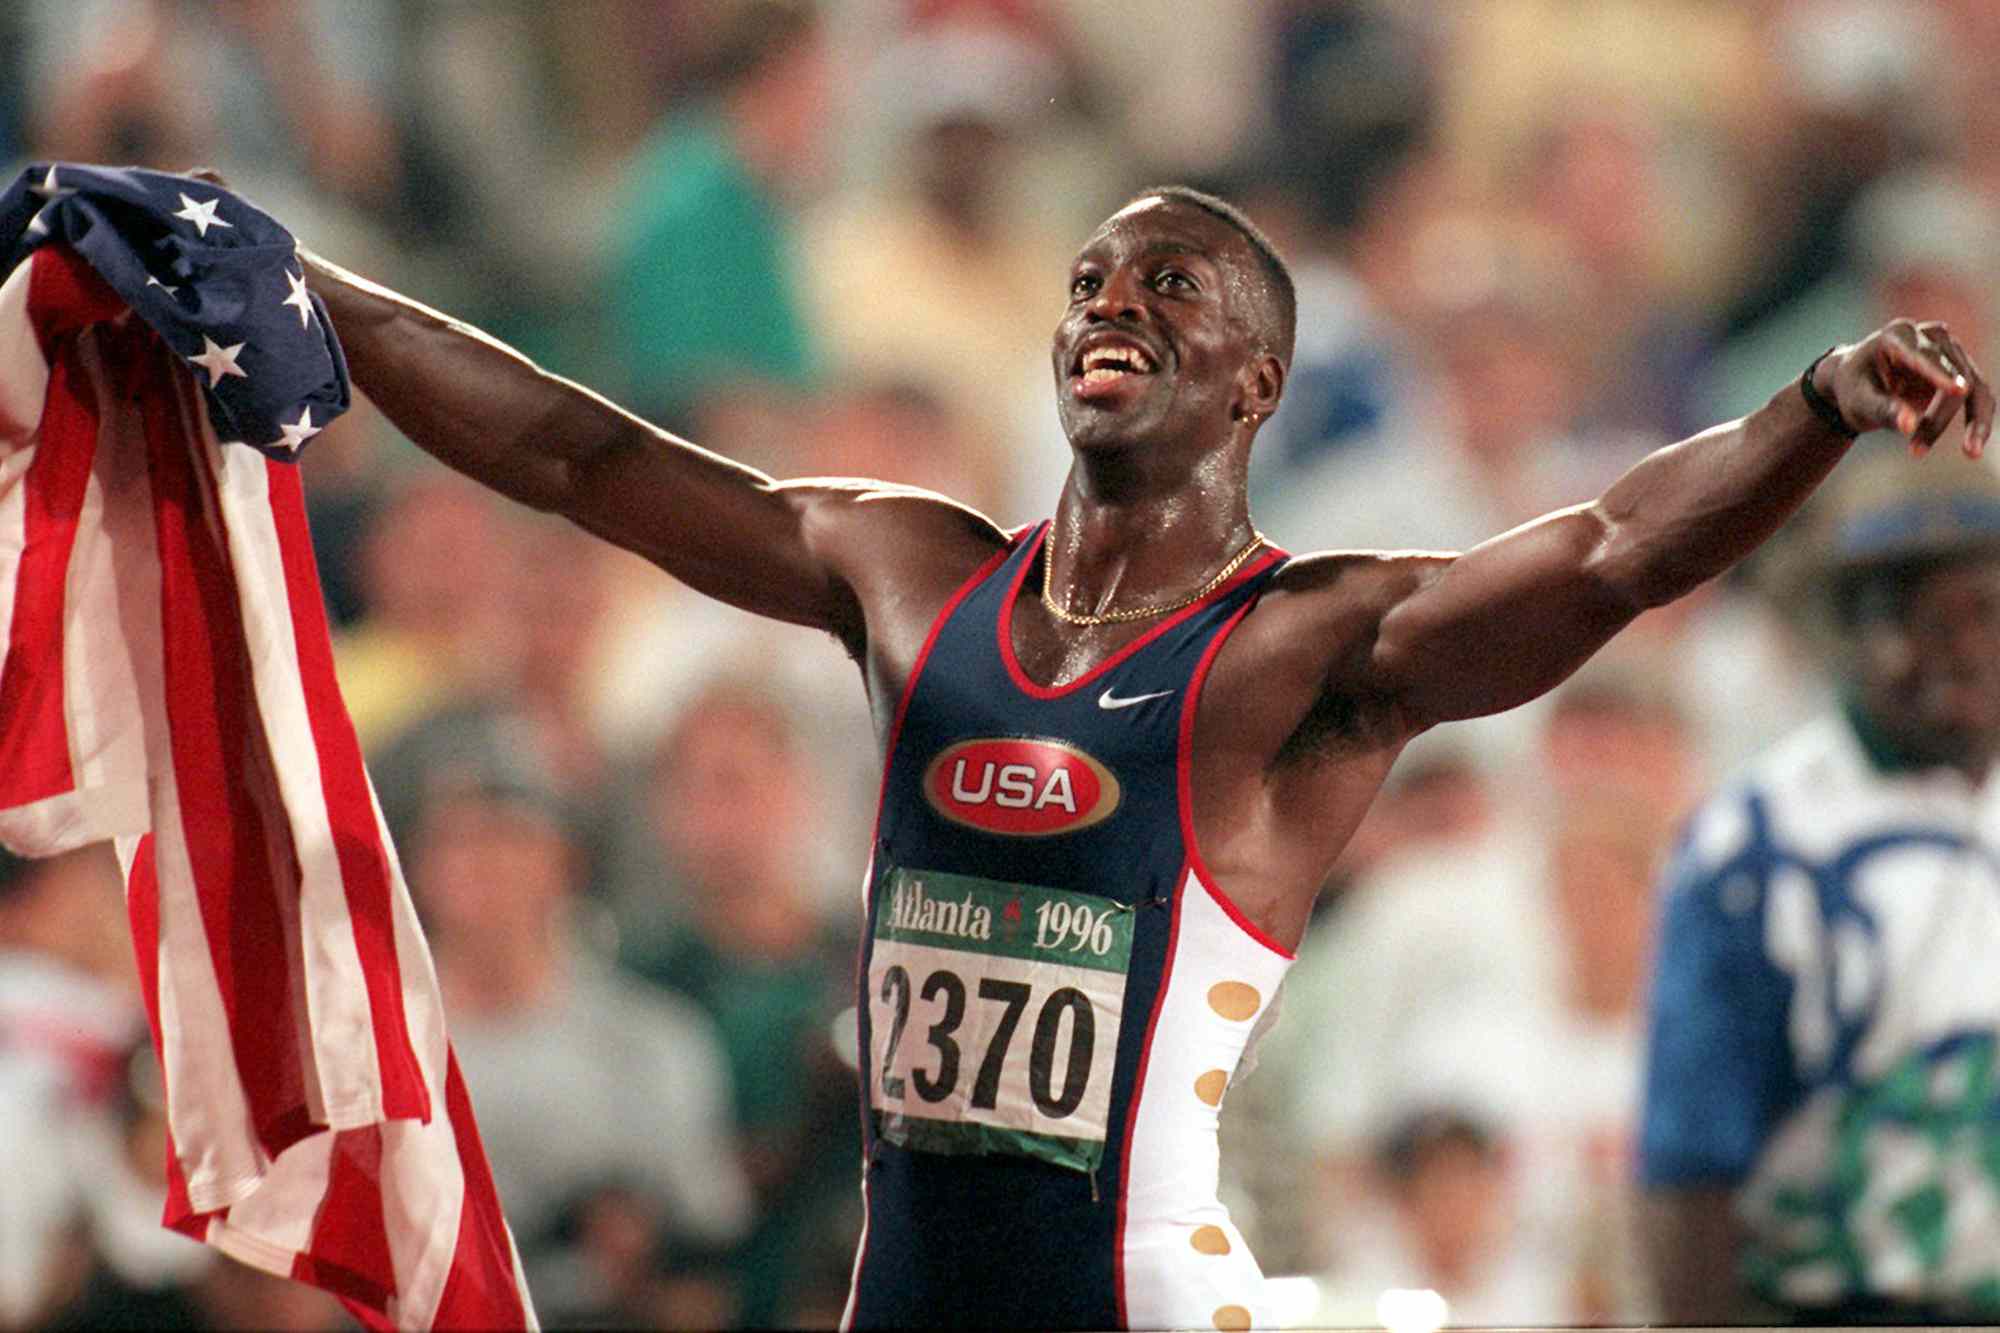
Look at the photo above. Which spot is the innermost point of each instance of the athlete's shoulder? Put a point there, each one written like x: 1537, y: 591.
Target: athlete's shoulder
x: 1346, y: 587
x: 1315, y: 620
x: 886, y: 522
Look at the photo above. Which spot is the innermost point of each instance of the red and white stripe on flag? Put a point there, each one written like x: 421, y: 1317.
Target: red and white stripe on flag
x: 166, y: 681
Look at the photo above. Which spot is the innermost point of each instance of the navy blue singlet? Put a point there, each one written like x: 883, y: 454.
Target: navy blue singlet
x: 1054, y: 992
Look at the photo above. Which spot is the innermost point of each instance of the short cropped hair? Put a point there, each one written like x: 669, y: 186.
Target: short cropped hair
x: 1281, y: 315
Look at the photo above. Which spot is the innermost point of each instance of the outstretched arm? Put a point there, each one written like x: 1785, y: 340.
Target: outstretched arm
x: 728, y: 530
x: 1514, y: 616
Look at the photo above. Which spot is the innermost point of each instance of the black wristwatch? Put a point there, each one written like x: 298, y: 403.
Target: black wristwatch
x: 1823, y: 407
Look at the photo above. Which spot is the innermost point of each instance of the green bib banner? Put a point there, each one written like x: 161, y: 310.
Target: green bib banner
x: 994, y: 1009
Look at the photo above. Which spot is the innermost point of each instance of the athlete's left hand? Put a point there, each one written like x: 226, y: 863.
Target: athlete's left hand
x: 1913, y: 379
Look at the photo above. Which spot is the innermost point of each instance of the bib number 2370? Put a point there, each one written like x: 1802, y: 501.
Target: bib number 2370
x: 994, y: 1012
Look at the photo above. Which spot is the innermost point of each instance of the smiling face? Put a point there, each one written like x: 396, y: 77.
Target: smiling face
x: 1161, y: 343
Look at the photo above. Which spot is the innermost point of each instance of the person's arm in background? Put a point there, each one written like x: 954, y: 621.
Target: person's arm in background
x: 1719, y: 1075
x: 1693, y: 1245
x: 727, y: 530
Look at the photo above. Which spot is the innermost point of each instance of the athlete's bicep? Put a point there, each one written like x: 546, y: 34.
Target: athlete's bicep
x: 805, y: 551
x: 1496, y: 626
x: 483, y: 408
x: 724, y: 529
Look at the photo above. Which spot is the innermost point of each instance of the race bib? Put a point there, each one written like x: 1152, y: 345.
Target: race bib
x: 994, y: 1012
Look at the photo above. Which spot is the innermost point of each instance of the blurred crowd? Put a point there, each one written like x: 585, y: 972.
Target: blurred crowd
x: 1533, y: 239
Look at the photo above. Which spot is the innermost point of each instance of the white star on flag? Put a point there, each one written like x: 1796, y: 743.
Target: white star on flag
x: 168, y: 288
x: 299, y: 298
x: 296, y: 433
x: 202, y: 215
x: 49, y: 190
x: 218, y: 361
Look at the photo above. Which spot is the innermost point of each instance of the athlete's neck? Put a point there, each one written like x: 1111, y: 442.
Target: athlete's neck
x: 1118, y: 541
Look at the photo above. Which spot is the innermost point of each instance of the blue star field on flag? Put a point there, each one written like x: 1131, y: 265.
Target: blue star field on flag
x: 214, y: 276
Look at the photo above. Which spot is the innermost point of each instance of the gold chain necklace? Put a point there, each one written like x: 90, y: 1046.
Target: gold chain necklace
x: 1069, y: 617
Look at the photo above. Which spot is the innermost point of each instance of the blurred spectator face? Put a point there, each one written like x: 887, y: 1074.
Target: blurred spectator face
x: 898, y: 434
x: 490, y: 864
x: 693, y: 1298
x: 438, y: 558
x: 71, y: 908
x: 729, y: 797
x: 957, y: 162
x: 1642, y: 750
x: 1595, y: 186
x: 1391, y: 246
x: 1858, y: 75
x: 1928, y: 238
x: 1442, y: 802
x: 561, y: 595
x: 765, y: 423
x: 234, y: 1296
x: 253, y: 16
x: 1428, y: 800
x: 619, y: 1230
x: 1508, y: 378
x: 782, y: 104
x: 797, y: 93
x: 1927, y: 663
x: 1451, y: 1192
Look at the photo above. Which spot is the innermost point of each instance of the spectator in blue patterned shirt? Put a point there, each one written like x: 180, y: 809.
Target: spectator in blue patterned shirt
x: 1821, y: 1119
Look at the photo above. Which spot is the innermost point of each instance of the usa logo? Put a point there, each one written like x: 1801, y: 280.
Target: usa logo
x: 1020, y: 788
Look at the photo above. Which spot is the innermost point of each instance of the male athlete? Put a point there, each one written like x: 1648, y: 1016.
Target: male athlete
x: 1122, y: 748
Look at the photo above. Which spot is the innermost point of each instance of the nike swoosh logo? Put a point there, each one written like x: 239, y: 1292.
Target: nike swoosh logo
x: 1110, y: 700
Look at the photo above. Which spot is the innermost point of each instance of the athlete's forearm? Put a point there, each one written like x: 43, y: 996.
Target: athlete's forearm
x: 1514, y: 616
x: 1686, y: 513
x: 470, y: 400
x: 489, y: 412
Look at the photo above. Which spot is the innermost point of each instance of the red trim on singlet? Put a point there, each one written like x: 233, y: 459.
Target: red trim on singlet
x: 1185, y: 766
x: 860, y: 1249
x: 1035, y: 691
x: 951, y: 605
x: 1138, y: 1095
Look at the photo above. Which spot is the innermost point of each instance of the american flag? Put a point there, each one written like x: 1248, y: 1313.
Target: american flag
x: 166, y: 682
x: 218, y: 280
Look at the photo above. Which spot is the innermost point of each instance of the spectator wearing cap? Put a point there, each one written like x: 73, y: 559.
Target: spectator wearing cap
x: 1820, y: 1113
